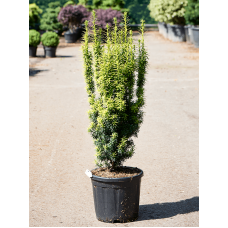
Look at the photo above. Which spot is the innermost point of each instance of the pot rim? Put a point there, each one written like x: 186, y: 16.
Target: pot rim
x: 47, y: 47
x: 121, y: 179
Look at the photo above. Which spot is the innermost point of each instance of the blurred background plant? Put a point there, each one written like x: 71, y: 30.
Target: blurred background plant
x: 137, y: 9
x: 168, y: 11
x: 49, y: 21
x: 192, y: 12
x: 34, y: 15
x: 73, y: 16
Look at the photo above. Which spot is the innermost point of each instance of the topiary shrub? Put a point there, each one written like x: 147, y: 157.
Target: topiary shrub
x: 168, y: 11
x: 115, y: 77
x: 73, y: 16
x: 192, y: 12
x: 50, y: 39
x: 34, y: 38
x: 49, y: 21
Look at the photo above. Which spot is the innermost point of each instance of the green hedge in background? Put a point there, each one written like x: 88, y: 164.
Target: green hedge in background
x: 137, y: 9
x: 192, y: 12
x: 49, y: 20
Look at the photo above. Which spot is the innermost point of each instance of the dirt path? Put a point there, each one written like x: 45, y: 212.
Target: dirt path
x: 166, y: 149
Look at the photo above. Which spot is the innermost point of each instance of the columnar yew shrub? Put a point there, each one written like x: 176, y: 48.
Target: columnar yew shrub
x: 115, y: 77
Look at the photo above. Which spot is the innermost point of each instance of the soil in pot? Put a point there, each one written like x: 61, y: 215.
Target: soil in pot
x: 119, y: 172
x: 32, y: 51
x: 116, y: 199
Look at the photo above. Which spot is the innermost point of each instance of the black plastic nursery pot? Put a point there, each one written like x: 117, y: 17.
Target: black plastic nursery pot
x: 186, y: 28
x: 195, y: 35
x: 164, y: 29
x: 176, y: 33
x: 73, y: 37
x: 116, y: 199
x: 32, y: 51
x: 50, y: 51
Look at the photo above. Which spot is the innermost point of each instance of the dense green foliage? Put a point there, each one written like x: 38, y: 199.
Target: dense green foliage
x: 50, y: 39
x: 34, y: 38
x: 137, y: 9
x: 71, y: 2
x: 43, y: 4
x: 192, y: 12
x: 106, y: 4
x: 168, y: 11
x: 34, y: 14
x: 115, y: 77
x: 49, y: 20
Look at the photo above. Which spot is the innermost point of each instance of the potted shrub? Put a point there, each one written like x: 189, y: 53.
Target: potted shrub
x: 50, y: 41
x: 73, y: 16
x: 172, y: 13
x: 34, y: 40
x: 115, y: 77
x: 49, y: 20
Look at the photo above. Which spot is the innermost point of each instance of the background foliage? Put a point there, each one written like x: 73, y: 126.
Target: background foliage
x: 192, y: 12
x: 137, y: 8
x: 49, y: 20
x: 34, y: 14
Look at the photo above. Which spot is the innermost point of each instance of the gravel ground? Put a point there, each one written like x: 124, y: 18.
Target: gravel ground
x: 166, y: 150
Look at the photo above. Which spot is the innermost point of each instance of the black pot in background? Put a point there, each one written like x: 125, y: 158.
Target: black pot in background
x: 32, y: 51
x: 50, y: 51
x: 195, y: 35
x: 186, y: 28
x: 163, y: 29
x: 116, y: 199
x: 73, y: 37
x: 176, y: 33
x: 160, y: 27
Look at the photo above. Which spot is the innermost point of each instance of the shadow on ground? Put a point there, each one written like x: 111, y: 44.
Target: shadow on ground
x: 34, y: 71
x: 64, y: 56
x: 167, y: 210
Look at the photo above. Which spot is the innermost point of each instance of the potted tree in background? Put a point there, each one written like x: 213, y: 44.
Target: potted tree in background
x: 73, y: 17
x: 34, y: 15
x: 50, y: 41
x: 34, y: 40
x: 49, y: 21
x: 170, y: 14
x: 115, y: 77
x: 157, y: 12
